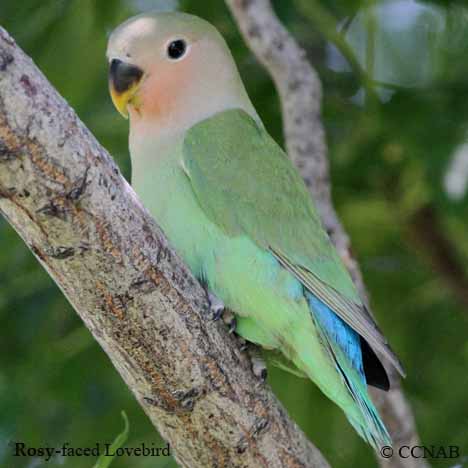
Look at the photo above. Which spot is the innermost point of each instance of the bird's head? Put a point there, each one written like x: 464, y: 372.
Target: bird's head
x: 172, y: 67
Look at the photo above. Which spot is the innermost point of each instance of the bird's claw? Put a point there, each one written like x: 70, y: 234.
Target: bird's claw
x: 216, y: 306
x: 244, y: 346
x: 218, y: 310
x: 259, y: 368
x: 230, y: 320
x: 257, y: 362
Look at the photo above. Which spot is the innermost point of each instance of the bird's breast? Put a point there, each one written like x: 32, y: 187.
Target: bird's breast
x: 165, y: 190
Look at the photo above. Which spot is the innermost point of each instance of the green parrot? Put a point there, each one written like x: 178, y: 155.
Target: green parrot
x: 236, y: 210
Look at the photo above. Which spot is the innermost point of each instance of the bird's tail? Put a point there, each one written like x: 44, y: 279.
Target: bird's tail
x: 368, y: 423
x: 342, y: 344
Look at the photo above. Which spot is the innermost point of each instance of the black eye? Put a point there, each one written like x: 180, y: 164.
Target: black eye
x: 176, y: 49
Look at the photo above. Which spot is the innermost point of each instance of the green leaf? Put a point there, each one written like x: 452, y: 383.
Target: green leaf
x: 106, y: 460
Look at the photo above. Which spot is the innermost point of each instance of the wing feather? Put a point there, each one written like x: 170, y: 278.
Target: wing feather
x: 355, y: 315
x: 247, y: 186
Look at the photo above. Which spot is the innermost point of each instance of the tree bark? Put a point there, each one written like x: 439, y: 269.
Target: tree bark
x: 300, y: 93
x: 64, y: 195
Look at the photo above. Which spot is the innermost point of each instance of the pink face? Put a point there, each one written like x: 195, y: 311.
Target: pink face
x: 168, y: 76
x: 163, y: 88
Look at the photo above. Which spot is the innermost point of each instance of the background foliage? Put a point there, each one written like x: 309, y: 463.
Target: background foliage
x: 395, y: 111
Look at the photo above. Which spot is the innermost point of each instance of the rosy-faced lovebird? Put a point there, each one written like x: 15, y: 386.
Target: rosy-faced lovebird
x: 238, y: 213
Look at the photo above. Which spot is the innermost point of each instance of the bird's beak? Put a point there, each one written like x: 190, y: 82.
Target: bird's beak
x: 124, y: 79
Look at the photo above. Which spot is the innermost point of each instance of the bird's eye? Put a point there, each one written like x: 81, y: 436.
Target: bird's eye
x: 176, y: 49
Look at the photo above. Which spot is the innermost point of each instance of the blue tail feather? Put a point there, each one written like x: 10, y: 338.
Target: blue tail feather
x: 341, y: 333
x: 345, y: 348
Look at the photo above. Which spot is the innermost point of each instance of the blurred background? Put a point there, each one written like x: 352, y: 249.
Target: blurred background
x: 395, y: 78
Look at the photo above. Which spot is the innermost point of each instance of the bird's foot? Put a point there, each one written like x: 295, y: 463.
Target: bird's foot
x: 259, y: 368
x: 218, y: 310
x: 257, y: 362
x: 216, y: 306
x: 230, y: 320
x: 244, y: 345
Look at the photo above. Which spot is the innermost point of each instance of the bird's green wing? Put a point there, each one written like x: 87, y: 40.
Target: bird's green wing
x: 246, y: 184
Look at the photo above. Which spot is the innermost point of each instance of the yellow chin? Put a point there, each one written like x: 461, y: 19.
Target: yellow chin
x: 121, y: 100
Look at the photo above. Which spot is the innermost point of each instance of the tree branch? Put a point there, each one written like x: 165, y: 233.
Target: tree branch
x: 300, y: 92
x: 428, y: 237
x: 65, y: 196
